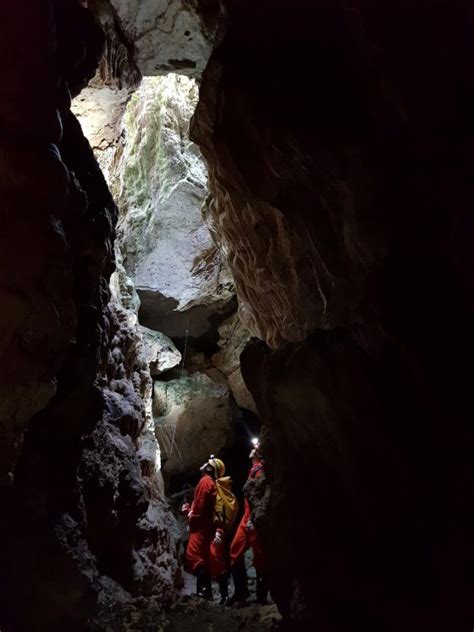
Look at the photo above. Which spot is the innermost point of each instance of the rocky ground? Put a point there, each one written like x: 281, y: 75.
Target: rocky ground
x: 196, y: 615
x: 191, y: 614
x: 188, y: 613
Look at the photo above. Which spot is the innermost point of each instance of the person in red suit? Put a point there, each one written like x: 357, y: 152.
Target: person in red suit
x: 247, y: 536
x: 206, y: 549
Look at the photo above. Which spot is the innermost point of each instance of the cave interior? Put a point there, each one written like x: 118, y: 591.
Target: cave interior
x: 225, y: 218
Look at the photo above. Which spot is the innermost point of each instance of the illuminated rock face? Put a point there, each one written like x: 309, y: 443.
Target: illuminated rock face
x: 99, y: 108
x: 168, y: 36
x: 161, y: 354
x: 233, y: 337
x: 192, y: 421
x: 168, y: 268
x: 161, y: 184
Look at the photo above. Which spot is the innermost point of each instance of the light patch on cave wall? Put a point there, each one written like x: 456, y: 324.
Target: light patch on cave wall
x: 161, y: 186
x: 168, y: 35
x: 170, y: 277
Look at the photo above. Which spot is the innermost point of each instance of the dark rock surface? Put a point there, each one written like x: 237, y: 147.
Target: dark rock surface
x: 189, y: 614
x: 80, y: 502
x: 339, y: 146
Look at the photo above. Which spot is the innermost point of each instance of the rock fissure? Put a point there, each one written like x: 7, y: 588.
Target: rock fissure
x: 279, y: 234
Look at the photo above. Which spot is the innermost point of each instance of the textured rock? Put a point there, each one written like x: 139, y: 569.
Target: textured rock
x: 162, y: 183
x: 160, y: 352
x: 72, y: 357
x: 232, y: 340
x: 99, y: 109
x: 340, y: 147
x: 128, y: 526
x: 37, y: 320
x: 357, y: 428
x: 331, y: 138
x: 192, y: 420
x: 52, y: 307
x: 123, y: 289
x: 168, y: 35
x: 189, y: 613
x: 118, y: 67
x: 294, y: 262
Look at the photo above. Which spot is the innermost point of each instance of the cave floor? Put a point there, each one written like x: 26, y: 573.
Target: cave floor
x: 187, y: 614
x: 194, y: 614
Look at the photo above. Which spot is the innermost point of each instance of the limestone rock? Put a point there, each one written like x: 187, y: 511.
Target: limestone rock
x: 161, y: 185
x: 297, y: 244
x: 337, y: 214
x: 118, y: 67
x: 167, y: 35
x: 53, y: 260
x: 136, y: 529
x: 123, y: 289
x: 99, y: 109
x: 71, y: 372
x: 160, y: 351
x: 233, y: 338
x: 192, y: 420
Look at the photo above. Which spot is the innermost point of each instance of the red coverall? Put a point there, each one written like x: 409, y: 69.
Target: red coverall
x: 201, y: 549
x: 244, y: 537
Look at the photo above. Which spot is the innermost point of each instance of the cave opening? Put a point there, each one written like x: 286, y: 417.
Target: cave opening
x: 171, y: 279
x: 173, y: 287
x: 223, y: 218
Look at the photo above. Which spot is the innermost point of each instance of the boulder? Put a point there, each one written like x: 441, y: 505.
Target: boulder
x: 159, y: 351
x: 192, y: 420
x: 233, y: 336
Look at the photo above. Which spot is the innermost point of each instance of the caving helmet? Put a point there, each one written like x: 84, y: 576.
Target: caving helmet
x: 216, y: 465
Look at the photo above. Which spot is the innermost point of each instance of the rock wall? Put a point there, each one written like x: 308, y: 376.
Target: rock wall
x: 193, y: 419
x: 38, y: 313
x: 338, y: 144
x: 99, y: 108
x: 233, y: 337
x: 168, y: 36
x: 161, y: 184
x: 83, y: 499
x: 168, y: 269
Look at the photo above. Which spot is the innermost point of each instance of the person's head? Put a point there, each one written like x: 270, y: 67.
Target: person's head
x: 255, y: 454
x: 213, y: 467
